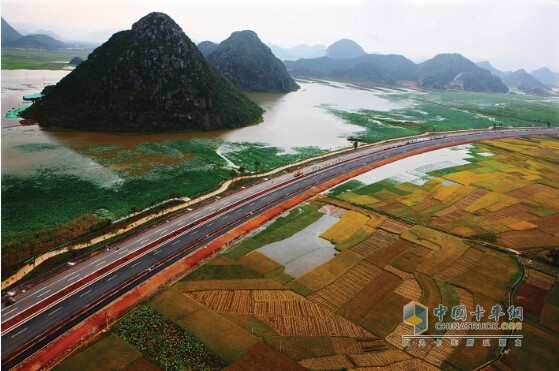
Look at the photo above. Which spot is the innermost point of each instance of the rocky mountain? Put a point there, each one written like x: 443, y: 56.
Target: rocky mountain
x: 526, y: 83
x: 487, y: 66
x: 9, y: 34
x: 456, y: 72
x: 148, y: 79
x: 393, y: 67
x: 344, y: 48
x: 75, y: 61
x: 206, y: 47
x: 546, y: 76
x: 251, y: 64
x: 298, y: 51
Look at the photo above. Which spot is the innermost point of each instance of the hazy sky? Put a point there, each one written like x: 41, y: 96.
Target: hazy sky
x: 511, y: 34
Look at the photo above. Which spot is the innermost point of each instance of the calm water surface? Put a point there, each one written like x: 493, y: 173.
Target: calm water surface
x: 297, y: 119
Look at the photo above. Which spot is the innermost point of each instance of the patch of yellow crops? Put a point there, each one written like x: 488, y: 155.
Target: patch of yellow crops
x: 485, y: 201
x: 376, y: 220
x: 358, y: 199
x: 441, y: 192
x: 522, y: 225
x: 505, y: 201
x: 348, y: 224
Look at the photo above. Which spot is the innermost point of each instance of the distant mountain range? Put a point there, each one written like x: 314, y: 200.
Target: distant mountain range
x: 445, y: 71
x: 13, y: 39
x: 453, y: 71
x: 298, y: 51
x: 539, y: 82
x: 345, y: 49
x: 526, y: 83
x: 546, y: 76
x: 245, y: 59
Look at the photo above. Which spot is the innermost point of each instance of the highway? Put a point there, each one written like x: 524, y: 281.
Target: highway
x: 47, y: 310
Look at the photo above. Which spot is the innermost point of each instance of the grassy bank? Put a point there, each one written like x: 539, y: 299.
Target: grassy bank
x: 39, y: 60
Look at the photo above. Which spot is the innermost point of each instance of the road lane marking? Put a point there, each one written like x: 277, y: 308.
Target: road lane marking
x: 135, y: 264
x: 113, y: 277
x: 238, y: 211
x: 209, y: 225
x: 194, y: 232
x: 98, y: 264
x: 122, y: 252
x: 17, y: 333
x: 54, y: 311
x: 10, y: 311
x: 85, y: 293
x: 176, y: 242
x: 73, y: 278
x: 156, y: 252
x: 71, y: 275
x: 43, y: 294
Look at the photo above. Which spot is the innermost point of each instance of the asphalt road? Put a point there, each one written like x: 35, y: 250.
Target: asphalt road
x: 29, y: 335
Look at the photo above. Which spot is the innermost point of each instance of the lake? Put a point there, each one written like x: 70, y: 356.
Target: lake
x: 297, y: 119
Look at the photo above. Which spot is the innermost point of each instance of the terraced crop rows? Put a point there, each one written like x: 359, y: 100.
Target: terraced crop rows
x: 379, y: 358
x: 539, y: 279
x: 316, y: 326
x: 336, y: 362
x: 344, y: 288
x: 421, y: 251
x: 463, y: 203
x: 395, y: 226
x: 463, y: 264
x: 409, y: 289
x: 333, y: 210
x: 398, y: 272
x: 378, y: 241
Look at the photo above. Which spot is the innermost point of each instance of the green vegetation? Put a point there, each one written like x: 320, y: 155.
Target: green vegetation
x: 109, y: 353
x: 251, y: 64
x: 39, y: 60
x: 282, y: 228
x: 248, y: 155
x: 165, y: 342
x: 48, y: 208
x: 441, y: 111
x: 222, y: 272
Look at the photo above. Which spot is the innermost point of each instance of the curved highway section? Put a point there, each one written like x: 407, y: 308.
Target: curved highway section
x: 49, y: 309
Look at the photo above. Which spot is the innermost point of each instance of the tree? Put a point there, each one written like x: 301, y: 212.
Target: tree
x: 548, y: 124
x: 355, y: 145
x: 256, y: 165
x: 242, y: 170
x: 553, y: 255
x: 233, y: 173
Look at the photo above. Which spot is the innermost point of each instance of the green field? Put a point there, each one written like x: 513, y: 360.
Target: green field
x: 450, y: 110
x: 111, y: 181
x: 39, y: 60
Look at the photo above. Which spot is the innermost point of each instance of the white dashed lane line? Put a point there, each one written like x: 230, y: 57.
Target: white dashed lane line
x: 17, y: 333
x: 54, y: 311
x: 85, y: 293
x: 43, y: 294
